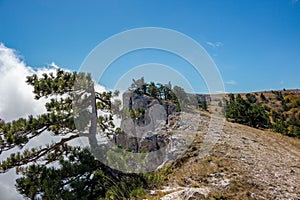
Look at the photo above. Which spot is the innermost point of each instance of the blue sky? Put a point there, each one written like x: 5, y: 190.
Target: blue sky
x: 254, y: 43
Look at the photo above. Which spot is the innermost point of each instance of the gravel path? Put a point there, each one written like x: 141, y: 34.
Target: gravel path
x: 267, y: 162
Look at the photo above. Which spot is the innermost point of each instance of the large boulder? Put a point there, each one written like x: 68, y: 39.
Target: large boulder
x: 144, y: 134
x: 188, y: 193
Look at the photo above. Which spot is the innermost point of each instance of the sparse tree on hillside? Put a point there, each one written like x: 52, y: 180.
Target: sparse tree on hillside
x: 231, y: 97
x: 245, y: 112
x: 153, y: 90
x: 139, y: 86
x: 262, y: 97
x: 251, y: 98
x: 180, y: 98
x: 202, y: 104
x: 165, y: 90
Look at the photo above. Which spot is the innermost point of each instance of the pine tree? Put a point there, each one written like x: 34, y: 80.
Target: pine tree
x: 153, y: 90
x: 77, y: 174
x: 262, y: 97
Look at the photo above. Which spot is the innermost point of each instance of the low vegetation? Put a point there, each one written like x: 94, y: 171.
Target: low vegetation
x: 275, y: 110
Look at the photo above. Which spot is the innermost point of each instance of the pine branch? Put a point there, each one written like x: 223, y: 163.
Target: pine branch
x: 34, y: 156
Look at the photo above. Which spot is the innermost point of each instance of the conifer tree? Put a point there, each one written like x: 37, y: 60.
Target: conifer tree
x: 57, y: 170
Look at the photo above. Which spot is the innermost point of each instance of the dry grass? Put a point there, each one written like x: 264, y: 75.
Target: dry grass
x: 257, y: 164
x: 246, y: 158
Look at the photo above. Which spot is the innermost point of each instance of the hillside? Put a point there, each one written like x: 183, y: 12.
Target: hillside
x: 194, y: 152
x: 239, y: 161
x: 278, y: 111
x: 245, y: 163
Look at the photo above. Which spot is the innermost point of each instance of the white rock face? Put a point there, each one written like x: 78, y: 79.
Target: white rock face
x: 188, y: 194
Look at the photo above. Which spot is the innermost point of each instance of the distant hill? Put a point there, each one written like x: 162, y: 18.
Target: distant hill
x: 277, y: 110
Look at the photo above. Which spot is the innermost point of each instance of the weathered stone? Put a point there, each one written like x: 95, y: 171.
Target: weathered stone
x: 188, y: 193
x: 144, y: 134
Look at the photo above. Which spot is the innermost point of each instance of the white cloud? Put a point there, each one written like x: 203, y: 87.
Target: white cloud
x: 53, y: 64
x: 7, y: 186
x: 215, y: 44
x: 16, y: 100
x: 231, y: 82
x: 99, y: 88
x: 16, y: 96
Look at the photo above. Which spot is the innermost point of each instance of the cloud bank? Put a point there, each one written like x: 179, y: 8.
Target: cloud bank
x: 16, y: 100
x: 16, y: 97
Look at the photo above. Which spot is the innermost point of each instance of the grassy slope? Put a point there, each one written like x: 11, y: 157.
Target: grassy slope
x: 246, y: 163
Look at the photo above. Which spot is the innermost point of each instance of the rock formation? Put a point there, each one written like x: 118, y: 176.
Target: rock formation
x: 147, y: 132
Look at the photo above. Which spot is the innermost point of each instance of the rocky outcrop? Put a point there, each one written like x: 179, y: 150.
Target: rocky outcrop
x: 147, y: 132
x: 156, y: 109
x: 244, y: 163
x: 150, y: 143
x: 188, y: 194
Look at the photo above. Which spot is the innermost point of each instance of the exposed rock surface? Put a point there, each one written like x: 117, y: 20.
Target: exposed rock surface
x: 236, y: 162
x: 187, y: 193
x: 244, y: 163
x: 147, y: 132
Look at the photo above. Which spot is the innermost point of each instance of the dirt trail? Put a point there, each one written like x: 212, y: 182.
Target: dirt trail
x: 244, y: 163
x: 271, y: 160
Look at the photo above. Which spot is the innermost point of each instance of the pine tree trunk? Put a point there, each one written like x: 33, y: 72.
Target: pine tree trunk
x: 93, y: 118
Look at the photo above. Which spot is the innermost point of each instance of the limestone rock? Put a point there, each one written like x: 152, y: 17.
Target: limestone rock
x: 187, y: 194
x: 144, y: 134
